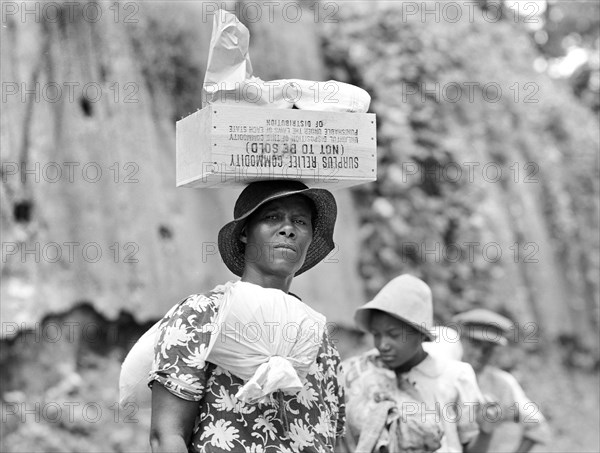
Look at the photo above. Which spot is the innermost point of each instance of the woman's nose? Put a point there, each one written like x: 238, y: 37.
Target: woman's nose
x: 287, y: 229
x: 384, y: 345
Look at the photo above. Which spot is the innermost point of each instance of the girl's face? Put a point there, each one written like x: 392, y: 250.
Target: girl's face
x: 398, y: 342
x: 477, y: 353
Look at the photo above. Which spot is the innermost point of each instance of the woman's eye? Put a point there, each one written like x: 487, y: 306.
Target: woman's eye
x: 301, y: 222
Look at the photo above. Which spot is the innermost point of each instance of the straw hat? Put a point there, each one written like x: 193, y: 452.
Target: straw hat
x: 257, y: 194
x: 406, y: 298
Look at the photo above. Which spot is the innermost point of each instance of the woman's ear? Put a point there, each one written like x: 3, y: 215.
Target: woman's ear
x: 243, y: 237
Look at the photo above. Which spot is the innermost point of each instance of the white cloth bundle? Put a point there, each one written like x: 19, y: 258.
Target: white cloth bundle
x: 268, y: 338
x: 135, y: 370
x: 229, y: 78
x: 133, y: 381
x: 262, y: 335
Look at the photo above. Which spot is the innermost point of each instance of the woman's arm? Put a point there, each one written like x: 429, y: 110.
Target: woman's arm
x: 172, y: 421
x: 525, y: 446
x: 481, y: 444
x: 487, y: 422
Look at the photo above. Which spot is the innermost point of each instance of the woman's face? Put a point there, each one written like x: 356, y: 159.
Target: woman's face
x: 277, y: 236
x: 398, y: 343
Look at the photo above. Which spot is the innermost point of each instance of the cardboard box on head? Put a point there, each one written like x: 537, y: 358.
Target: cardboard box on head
x: 251, y: 130
x: 225, y: 145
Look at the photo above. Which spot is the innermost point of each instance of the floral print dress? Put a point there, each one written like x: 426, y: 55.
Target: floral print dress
x: 308, y: 421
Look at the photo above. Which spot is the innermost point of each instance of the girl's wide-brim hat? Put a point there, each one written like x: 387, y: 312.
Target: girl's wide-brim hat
x: 406, y: 298
x: 257, y: 194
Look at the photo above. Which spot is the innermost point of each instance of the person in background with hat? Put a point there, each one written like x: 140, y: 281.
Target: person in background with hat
x: 481, y: 332
x: 436, y: 401
x: 218, y: 391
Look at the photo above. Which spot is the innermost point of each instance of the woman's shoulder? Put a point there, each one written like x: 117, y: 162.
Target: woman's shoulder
x: 459, y: 368
x: 461, y: 374
x: 198, y: 306
x: 447, y: 368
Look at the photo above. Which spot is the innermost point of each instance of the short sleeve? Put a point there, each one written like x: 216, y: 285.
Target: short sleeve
x: 182, y: 347
x: 469, y: 396
x: 531, y: 419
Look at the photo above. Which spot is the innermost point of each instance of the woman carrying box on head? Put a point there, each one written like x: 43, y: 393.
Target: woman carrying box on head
x: 228, y: 373
x: 400, y: 398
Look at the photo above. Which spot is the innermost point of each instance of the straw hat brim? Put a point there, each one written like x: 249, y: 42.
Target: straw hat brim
x: 232, y: 248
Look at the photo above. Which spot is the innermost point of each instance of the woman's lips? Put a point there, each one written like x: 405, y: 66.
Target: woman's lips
x: 286, y: 247
x: 387, y: 357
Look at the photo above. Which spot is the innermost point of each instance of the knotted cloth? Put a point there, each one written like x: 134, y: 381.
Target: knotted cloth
x: 267, y: 338
x: 264, y: 336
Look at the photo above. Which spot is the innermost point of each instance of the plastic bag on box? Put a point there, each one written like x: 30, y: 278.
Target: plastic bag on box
x: 229, y: 78
x: 332, y: 96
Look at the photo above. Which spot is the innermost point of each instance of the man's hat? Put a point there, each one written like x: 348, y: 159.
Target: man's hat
x: 484, y: 325
x: 257, y: 194
x: 406, y: 298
